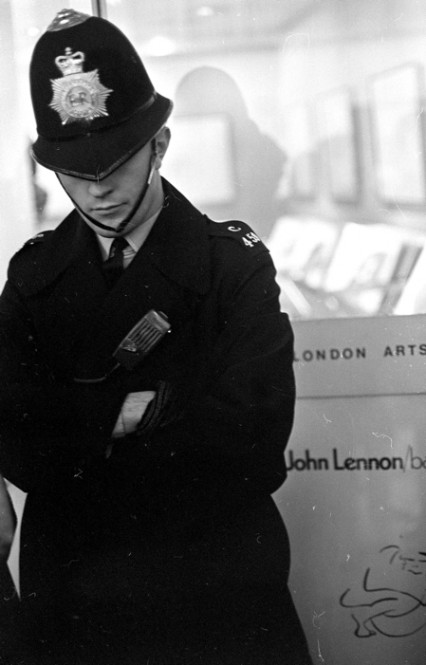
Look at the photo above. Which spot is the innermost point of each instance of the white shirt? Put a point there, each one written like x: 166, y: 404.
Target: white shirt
x: 135, y: 238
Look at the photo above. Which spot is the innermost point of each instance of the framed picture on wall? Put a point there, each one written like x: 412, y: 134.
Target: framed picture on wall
x: 297, y: 139
x: 396, y: 98
x: 200, y: 159
x: 338, y: 141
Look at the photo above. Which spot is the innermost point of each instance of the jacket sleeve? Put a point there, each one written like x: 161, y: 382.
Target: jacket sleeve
x: 44, y: 422
x: 239, y: 417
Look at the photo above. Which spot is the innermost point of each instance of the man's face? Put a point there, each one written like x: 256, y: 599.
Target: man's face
x: 110, y: 200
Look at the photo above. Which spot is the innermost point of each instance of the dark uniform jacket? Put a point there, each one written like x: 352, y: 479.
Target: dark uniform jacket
x: 170, y: 549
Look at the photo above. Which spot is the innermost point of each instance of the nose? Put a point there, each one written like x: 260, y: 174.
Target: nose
x: 100, y: 188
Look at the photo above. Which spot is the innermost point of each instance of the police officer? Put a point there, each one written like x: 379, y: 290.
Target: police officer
x: 147, y: 392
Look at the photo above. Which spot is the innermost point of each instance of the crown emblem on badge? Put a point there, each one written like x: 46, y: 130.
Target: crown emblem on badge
x: 77, y: 96
x: 70, y: 63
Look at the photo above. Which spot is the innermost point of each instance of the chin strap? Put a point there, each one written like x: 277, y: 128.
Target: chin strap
x: 138, y: 202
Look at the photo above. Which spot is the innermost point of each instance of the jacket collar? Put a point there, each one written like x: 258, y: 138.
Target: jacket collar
x: 178, y: 242
x: 177, y: 245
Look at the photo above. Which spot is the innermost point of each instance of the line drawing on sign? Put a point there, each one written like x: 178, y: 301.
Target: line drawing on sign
x: 394, y: 610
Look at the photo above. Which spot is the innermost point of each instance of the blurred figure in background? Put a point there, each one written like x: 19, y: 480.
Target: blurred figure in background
x: 258, y: 162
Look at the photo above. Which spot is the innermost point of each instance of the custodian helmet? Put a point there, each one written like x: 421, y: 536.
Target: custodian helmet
x: 94, y: 103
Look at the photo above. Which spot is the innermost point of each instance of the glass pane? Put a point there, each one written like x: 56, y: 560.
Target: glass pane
x: 314, y: 112
x: 309, y: 115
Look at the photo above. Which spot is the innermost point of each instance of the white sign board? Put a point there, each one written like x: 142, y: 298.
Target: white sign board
x: 355, y: 499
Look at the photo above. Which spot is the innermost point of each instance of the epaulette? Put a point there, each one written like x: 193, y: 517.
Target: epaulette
x: 239, y: 231
x: 39, y: 237
x: 21, y: 254
x: 35, y: 240
x: 24, y: 266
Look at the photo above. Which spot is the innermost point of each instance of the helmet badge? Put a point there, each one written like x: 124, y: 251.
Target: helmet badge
x: 77, y: 96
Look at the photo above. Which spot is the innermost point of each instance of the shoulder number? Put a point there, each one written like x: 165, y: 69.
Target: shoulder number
x: 240, y: 232
x: 250, y: 239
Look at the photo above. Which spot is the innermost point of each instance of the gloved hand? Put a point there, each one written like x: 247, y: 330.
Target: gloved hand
x: 166, y: 407
x: 132, y: 411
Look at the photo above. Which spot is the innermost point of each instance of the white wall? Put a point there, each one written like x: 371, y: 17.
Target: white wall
x: 16, y: 216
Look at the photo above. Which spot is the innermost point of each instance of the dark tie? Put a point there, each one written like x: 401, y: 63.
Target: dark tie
x: 113, y: 267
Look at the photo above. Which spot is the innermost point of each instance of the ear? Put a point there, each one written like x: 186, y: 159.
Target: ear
x: 162, y: 139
